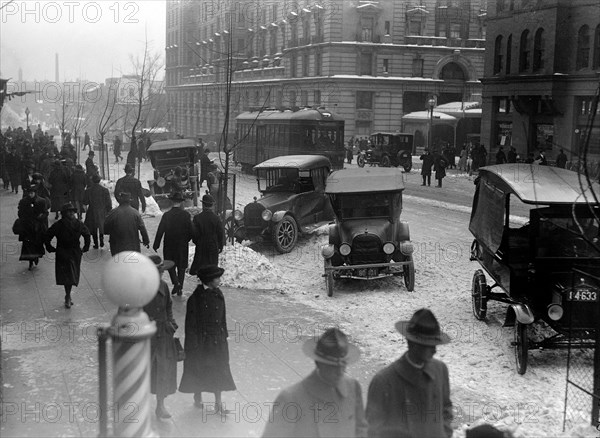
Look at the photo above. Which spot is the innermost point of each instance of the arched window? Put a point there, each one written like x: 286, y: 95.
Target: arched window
x: 508, y: 53
x: 583, y: 48
x: 498, y: 55
x: 452, y: 72
x: 596, y: 63
x: 538, y: 49
x: 524, y: 51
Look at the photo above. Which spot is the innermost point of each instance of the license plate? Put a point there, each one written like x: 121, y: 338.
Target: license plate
x: 583, y: 295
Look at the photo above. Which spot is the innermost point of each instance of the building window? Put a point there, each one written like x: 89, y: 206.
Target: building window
x: 498, y: 55
x: 524, y: 52
x: 596, y: 63
x: 273, y: 41
x: 274, y: 12
x: 318, y: 59
x: 417, y: 68
x: 452, y: 72
x: 305, y: 64
x: 366, y: 32
x: 583, y: 48
x: 366, y: 61
x: 387, y: 27
x: 293, y: 66
x: 500, y: 5
x: 364, y: 100
x: 455, y: 30
x: 414, y: 27
x: 306, y: 31
x: 440, y: 30
x: 508, y: 54
x: 292, y: 98
x: 294, y: 34
x: 304, y: 98
x: 386, y: 63
x: 539, y: 43
x: 317, y: 97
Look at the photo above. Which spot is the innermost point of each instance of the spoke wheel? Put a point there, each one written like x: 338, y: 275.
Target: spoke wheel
x: 285, y: 234
x: 479, y: 295
x: 409, y: 274
x: 360, y: 160
x: 521, y: 347
x: 329, y: 279
x: 385, y: 161
x: 231, y: 228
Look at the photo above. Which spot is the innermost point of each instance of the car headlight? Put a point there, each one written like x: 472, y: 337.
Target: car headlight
x: 406, y: 248
x: 327, y: 251
x: 389, y: 248
x: 238, y: 215
x: 267, y: 215
x: 555, y: 311
x: 345, y: 249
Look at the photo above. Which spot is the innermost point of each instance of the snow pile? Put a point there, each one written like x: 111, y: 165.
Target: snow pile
x: 152, y: 208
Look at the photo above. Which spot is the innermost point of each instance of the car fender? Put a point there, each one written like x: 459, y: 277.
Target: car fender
x: 403, y: 232
x: 334, y: 235
x: 518, y: 312
x: 279, y: 214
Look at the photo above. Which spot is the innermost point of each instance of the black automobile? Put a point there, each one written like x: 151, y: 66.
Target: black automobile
x: 367, y: 240
x: 388, y: 149
x: 292, y: 201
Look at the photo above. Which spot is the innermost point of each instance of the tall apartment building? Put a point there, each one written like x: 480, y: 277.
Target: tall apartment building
x: 542, y: 70
x: 370, y: 61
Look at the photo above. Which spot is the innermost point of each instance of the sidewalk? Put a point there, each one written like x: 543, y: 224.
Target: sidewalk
x: 50, y: 363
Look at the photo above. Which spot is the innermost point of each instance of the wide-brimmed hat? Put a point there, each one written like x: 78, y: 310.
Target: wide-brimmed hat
x: 332, y: 348
x: 177, y: 197
x: 161, y: 265
x: 67, y: 206
x: 423, y: 328
x: 207, y: 273
x: 208, y: 200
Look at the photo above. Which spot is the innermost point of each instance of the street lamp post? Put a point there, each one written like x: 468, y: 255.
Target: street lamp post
x: 27, y: 115
x: 431, y: 105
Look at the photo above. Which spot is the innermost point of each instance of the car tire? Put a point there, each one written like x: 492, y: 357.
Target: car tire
x: 231, y: 228
x: 360, y: 160
x: 285, y: 234
x: 409, y: 274
x: 479, y: 295
x: 521, y: 347
x: 385, y: 161
x: 329, y: 281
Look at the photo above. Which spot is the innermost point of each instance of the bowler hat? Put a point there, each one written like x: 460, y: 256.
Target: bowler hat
x: 160, y: 264
x: 207, y: 273
x: 32, y: 188
x: 176, y: 197
x: 208, y: 200
x: 128, y: 168
x: 124, y: 197
x: 332, y: 348
x: 91, y: 153
x: 67, y: 206
x: 423, y: 328
x: 96, y: 178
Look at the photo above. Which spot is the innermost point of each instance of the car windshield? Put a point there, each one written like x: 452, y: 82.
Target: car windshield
x: 364, y: 205
x: 277, y: 180
x: 564, y: 237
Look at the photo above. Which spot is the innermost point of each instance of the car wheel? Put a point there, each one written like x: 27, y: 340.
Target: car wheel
x: 285, y: 234
x: 329, y: 279
x: 479, y: 291
x: 385, y: 161
x: 521, y: 347
x: 231, y: 228
x: 409, y: 274
x: 360, y: 160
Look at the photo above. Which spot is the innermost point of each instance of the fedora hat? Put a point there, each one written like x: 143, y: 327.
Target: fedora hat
x: 67, y: 206
x: 423, y: 328
x: 176, y: 197
x: 207, y: 273
x: 332, y: 348
x: 161, y: 265
x: 208, y: 200
x: 128, y: 168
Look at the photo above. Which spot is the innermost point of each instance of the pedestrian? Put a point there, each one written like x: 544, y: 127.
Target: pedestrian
x: 462, y: 161
x: 130, y: 184
x: 117, y: 145
x: 512, y: 155
x: 411, y: 397
x: 500, y: 156
x: 13, y: 170
x: 97, y: 198
x: 541, y: 159
x: 163, y: 353
x: 27, y: 179
x: 68, y: 231
x: 530, y: 159
x: 440, y: 165
x: 78, y: 183
x: 90, y: 167
x: 328, y: 402
x: 204, y: 166
x: 349, y: 153
x: 561, y: 159
x: 86, y: 142
x: 124, y: 224
x: 428, y: 162
x: 33, y: 219
x: 207, y: 234
x: 133, y: 152
x: 60, y: 182
x: 176, y: 226
x: 206, y: 365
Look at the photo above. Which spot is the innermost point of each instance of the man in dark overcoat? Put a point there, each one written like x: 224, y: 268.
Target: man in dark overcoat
x: 176, y: 226
x: 428, y: 161
x: 33, y: 217
x: 68, y: 231
x: 334, y: 398
x: 99, y: 203
x: 124, y: 225
x: 411, y: 397
x: 208, y: 235
x: 204, y: 166
x: 130, y: 184
x: 78, y: 183
x: 163, y: 353
x: 440, y: 165
x: 59, y: 181
x: 90, y: 167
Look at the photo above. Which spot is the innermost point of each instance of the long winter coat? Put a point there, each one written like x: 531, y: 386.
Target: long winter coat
x: 59, y: 187
x: 406, y: 402
x: 33, y: 213
x: 124, y: 224
x: 428, y: 161
x: 440, y: 167
x: 209, y: 238
x: 97, y: 198
x: 68, y: 249
x: 206, y: 364
x: 163, y: 355
x: 78, y: 183
x: 131, y: 185
x: 322, y: 410
x: 176, y: 226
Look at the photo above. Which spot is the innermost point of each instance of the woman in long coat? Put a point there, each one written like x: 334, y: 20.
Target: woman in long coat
x: 207, y: 234
x: 99, y: 203
x: 163, y: 354
x: 68, y: 230
x: 59, y: 187
x: 33, y: 215
x: 206, y: 364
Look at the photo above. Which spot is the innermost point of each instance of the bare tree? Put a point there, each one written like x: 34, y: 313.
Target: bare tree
x: 107, y: 120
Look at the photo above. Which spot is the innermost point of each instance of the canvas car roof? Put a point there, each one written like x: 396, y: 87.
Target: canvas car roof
x: 300, y: 162
x: 376, y: 179
x: 171, y: 144
x: 535, y: 184
x: 390, y: 133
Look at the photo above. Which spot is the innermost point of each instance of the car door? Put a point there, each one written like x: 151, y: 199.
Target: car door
x: 313, y: 202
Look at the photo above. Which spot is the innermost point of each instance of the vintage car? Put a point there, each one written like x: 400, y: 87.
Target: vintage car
x: 388, y: 149
x: 547, y: 266
x: 367, y: 240
x: 293, y: 201
x: 169, y: 158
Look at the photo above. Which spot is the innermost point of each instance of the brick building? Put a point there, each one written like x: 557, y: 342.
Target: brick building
x: 542, y: 70
x: 370, y: 61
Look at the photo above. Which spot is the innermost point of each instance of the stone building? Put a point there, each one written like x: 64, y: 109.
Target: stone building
x: 542, y: 70
x: 370, y: 61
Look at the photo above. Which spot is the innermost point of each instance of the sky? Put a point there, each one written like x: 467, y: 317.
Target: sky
x: 94, y: 39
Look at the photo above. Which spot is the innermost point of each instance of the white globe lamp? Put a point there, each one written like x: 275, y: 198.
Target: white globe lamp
x: 130, y: 279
